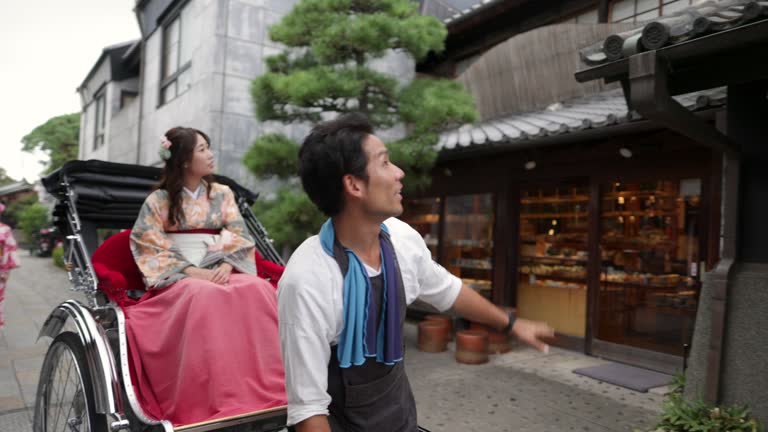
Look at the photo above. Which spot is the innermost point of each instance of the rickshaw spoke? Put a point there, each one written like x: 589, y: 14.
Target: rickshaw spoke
x: 60, y: 396
x: 54, y: 391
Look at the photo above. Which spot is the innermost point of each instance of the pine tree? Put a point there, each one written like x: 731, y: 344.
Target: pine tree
x: 325, y: 69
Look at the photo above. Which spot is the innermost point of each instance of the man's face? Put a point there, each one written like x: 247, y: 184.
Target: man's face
x: 381, y: 195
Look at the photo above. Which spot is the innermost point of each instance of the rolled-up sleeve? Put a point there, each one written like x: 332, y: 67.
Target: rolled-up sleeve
x: 436, y: 285
x: 305, y: 359
x: 304, y: 311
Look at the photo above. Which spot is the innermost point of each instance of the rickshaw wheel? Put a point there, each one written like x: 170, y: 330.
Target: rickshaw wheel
x: 65, y: 398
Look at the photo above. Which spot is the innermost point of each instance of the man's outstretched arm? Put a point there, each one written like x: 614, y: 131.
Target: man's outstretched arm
x: 474, y: 307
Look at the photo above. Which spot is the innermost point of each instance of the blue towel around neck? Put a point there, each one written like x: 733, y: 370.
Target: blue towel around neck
x: 359, y: 338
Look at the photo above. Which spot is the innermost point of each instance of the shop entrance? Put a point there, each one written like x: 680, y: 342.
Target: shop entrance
x: 649, y: 273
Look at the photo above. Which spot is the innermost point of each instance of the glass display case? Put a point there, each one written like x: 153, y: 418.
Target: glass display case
x: 552, y: 270
x: 423, y: 214
x: 650, y: 265
x: 468, y: 240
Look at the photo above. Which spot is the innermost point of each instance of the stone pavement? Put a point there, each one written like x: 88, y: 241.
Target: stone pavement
x: 33, y: 290
x: 518, y: 391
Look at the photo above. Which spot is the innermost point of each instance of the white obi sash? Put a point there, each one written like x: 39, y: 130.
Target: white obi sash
x: 193, y: 246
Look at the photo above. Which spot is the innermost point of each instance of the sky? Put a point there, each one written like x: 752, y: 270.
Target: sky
x: 47, y: 47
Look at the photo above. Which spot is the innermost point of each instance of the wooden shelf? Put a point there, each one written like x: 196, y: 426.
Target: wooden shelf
x: 424, y: 219
x: 534, y: 258
x: 553, y: 215
x: 640, y: 213
x: 572, y: 199
x: 556, y: 278
x: 639, y: 194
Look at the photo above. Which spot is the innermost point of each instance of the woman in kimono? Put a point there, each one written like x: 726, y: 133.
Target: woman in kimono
x: 205, y: 334
x: 8, y: 260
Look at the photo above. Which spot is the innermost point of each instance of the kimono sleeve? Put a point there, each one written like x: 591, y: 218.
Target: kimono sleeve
x: 8, y: 258
x: 159, y: 260
x: 235, y: 245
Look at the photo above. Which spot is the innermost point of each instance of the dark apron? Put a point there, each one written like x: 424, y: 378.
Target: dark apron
x: 371, y: 397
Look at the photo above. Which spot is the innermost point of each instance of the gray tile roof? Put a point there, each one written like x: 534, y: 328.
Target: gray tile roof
x: 449, y: 11
x: 592, y: 112
x: 15, y: 187
x: 701, y: 19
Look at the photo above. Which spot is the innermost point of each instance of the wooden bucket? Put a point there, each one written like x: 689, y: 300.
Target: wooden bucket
x: 448, y: 320
x: 432, y: 336
x: 472, y: 347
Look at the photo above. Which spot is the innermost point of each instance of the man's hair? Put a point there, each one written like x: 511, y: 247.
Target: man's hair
x: 332, y: 150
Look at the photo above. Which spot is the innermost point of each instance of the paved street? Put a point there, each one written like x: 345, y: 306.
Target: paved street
x: 518, y: 391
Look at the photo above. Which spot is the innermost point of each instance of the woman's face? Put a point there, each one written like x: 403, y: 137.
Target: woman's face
x: 201, y: 163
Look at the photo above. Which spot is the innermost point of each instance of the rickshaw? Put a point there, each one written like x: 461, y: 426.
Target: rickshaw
x: 85, y: 381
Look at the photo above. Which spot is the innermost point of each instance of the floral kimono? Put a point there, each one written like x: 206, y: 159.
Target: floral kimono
x: 202, y: 350
x: 161, y: 261
x: 8, y: 261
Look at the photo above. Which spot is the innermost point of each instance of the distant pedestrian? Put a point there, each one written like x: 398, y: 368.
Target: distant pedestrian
x: 8, y: 260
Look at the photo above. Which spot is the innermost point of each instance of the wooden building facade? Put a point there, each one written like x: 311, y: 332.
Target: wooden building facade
x: 564, y: 202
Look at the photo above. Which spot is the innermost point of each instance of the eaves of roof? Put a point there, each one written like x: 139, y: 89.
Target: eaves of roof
x: 699, y: 20
x: 575, y: 118
x: 15, y: 187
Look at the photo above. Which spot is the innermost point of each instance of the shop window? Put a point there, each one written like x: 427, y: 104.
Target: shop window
x: 552, y: 274
x: 176, y: 56
x: 589, y: 16
x: 423, y: 214
x: 650, y: 264
x: 468, y: 240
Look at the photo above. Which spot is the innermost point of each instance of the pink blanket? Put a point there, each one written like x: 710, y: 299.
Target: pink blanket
x: 202, y: 351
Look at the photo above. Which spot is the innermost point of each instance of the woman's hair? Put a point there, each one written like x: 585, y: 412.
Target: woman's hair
x: 332, y: 150
x: 183, y: 142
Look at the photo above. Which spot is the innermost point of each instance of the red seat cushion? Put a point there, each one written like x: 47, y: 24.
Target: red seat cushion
x: 117, y: 271
x: 115, y: 267
x: 268, y: 270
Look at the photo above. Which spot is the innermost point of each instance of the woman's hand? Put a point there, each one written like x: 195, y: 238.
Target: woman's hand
x: 198, y: 273
x: 221, y: 273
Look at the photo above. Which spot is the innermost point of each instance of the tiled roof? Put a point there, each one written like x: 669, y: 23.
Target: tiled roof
x: 449, y: 11
x: 15, y: 187
x: 592, y: 112
x: 698, y: 20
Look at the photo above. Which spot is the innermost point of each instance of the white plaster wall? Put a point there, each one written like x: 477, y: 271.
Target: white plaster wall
x: 123, y: 130
x: 191, y: 108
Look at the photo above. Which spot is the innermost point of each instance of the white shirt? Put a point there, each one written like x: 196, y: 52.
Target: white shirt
x: 310, y: 311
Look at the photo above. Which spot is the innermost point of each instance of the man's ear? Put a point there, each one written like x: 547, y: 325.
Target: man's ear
x: 352, y: 185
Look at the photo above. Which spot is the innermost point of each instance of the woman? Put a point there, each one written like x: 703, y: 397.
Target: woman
x: 205, y: 335
x: 8, y: 260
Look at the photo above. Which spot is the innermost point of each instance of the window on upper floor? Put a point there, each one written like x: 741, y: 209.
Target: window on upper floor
x: 177, y: 56
x: 100, y: 119
x: 588, y: 16
x: 632, y: 11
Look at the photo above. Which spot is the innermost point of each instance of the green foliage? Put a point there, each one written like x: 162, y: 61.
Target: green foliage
x: 4, y: 178
x: 432, y: 105
x: 682, y: 415
x: 32, y: 219
x: 340, y: 31
x: 273, y: 154
x: 58, y: 256
x: 15, y: 209
x: 324, y: 69
x: 58, y: 138
x: 290, y: 218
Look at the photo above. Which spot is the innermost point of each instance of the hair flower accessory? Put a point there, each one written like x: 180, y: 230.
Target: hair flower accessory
x: 165, y: 151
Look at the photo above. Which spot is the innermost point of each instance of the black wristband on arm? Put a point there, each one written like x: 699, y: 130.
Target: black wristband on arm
x: 512, y: 318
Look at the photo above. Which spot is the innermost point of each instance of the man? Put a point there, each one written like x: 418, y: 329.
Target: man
x: 343, y: 295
